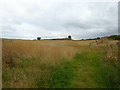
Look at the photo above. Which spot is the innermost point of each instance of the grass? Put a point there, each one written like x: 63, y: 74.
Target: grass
x: 82, y: 71
x: 109, y: 75
x: 59, y: 64
x: 85, y: 76
x: 62, y: 75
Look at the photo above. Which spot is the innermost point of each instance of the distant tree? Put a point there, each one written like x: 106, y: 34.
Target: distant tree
x: 38, y: 38
x: 69, y: 37
x: 98, y: 37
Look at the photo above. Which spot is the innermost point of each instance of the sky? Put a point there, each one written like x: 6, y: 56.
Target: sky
x: 29, y: 19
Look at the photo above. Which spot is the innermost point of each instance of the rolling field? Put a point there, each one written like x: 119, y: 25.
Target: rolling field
x: 60, y: 63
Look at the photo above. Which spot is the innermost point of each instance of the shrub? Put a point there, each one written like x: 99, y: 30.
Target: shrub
x: 38, y: 38
x: 114, y: 37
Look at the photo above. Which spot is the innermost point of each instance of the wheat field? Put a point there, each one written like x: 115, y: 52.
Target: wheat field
x: 58, y: 63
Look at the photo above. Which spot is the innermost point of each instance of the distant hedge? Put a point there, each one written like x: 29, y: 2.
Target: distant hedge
x: 93, y: 38
x: 114, y: 37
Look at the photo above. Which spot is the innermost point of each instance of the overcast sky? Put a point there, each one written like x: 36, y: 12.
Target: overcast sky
x: 28, y: 19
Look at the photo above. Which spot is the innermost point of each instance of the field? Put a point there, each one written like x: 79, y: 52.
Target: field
x: 60, y: 63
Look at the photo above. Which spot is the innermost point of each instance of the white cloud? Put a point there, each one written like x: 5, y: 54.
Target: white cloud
x: 57, y: 18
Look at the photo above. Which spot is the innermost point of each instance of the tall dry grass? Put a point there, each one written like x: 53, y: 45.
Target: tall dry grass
x: 48, y: 51
x: 24, y: 62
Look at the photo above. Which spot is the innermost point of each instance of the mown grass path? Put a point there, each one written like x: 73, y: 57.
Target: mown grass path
x: 77, y: 73
x: 88, y: 66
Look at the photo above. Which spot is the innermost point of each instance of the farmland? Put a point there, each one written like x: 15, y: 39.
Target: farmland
x: 60, y: 63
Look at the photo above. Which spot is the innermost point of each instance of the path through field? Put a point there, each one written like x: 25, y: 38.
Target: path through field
x: 59, y: 64
x: 78, y: 73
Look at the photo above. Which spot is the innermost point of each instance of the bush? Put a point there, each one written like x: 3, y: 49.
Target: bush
x: 114, y: 37
x: 38, y: 38
x: 69, y: 37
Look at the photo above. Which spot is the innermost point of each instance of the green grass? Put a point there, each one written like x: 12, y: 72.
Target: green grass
x: 85, y: 75
x: 62, y: 75
x: 84, y: 70
x: 109, y: 75
x: 73, y: 73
